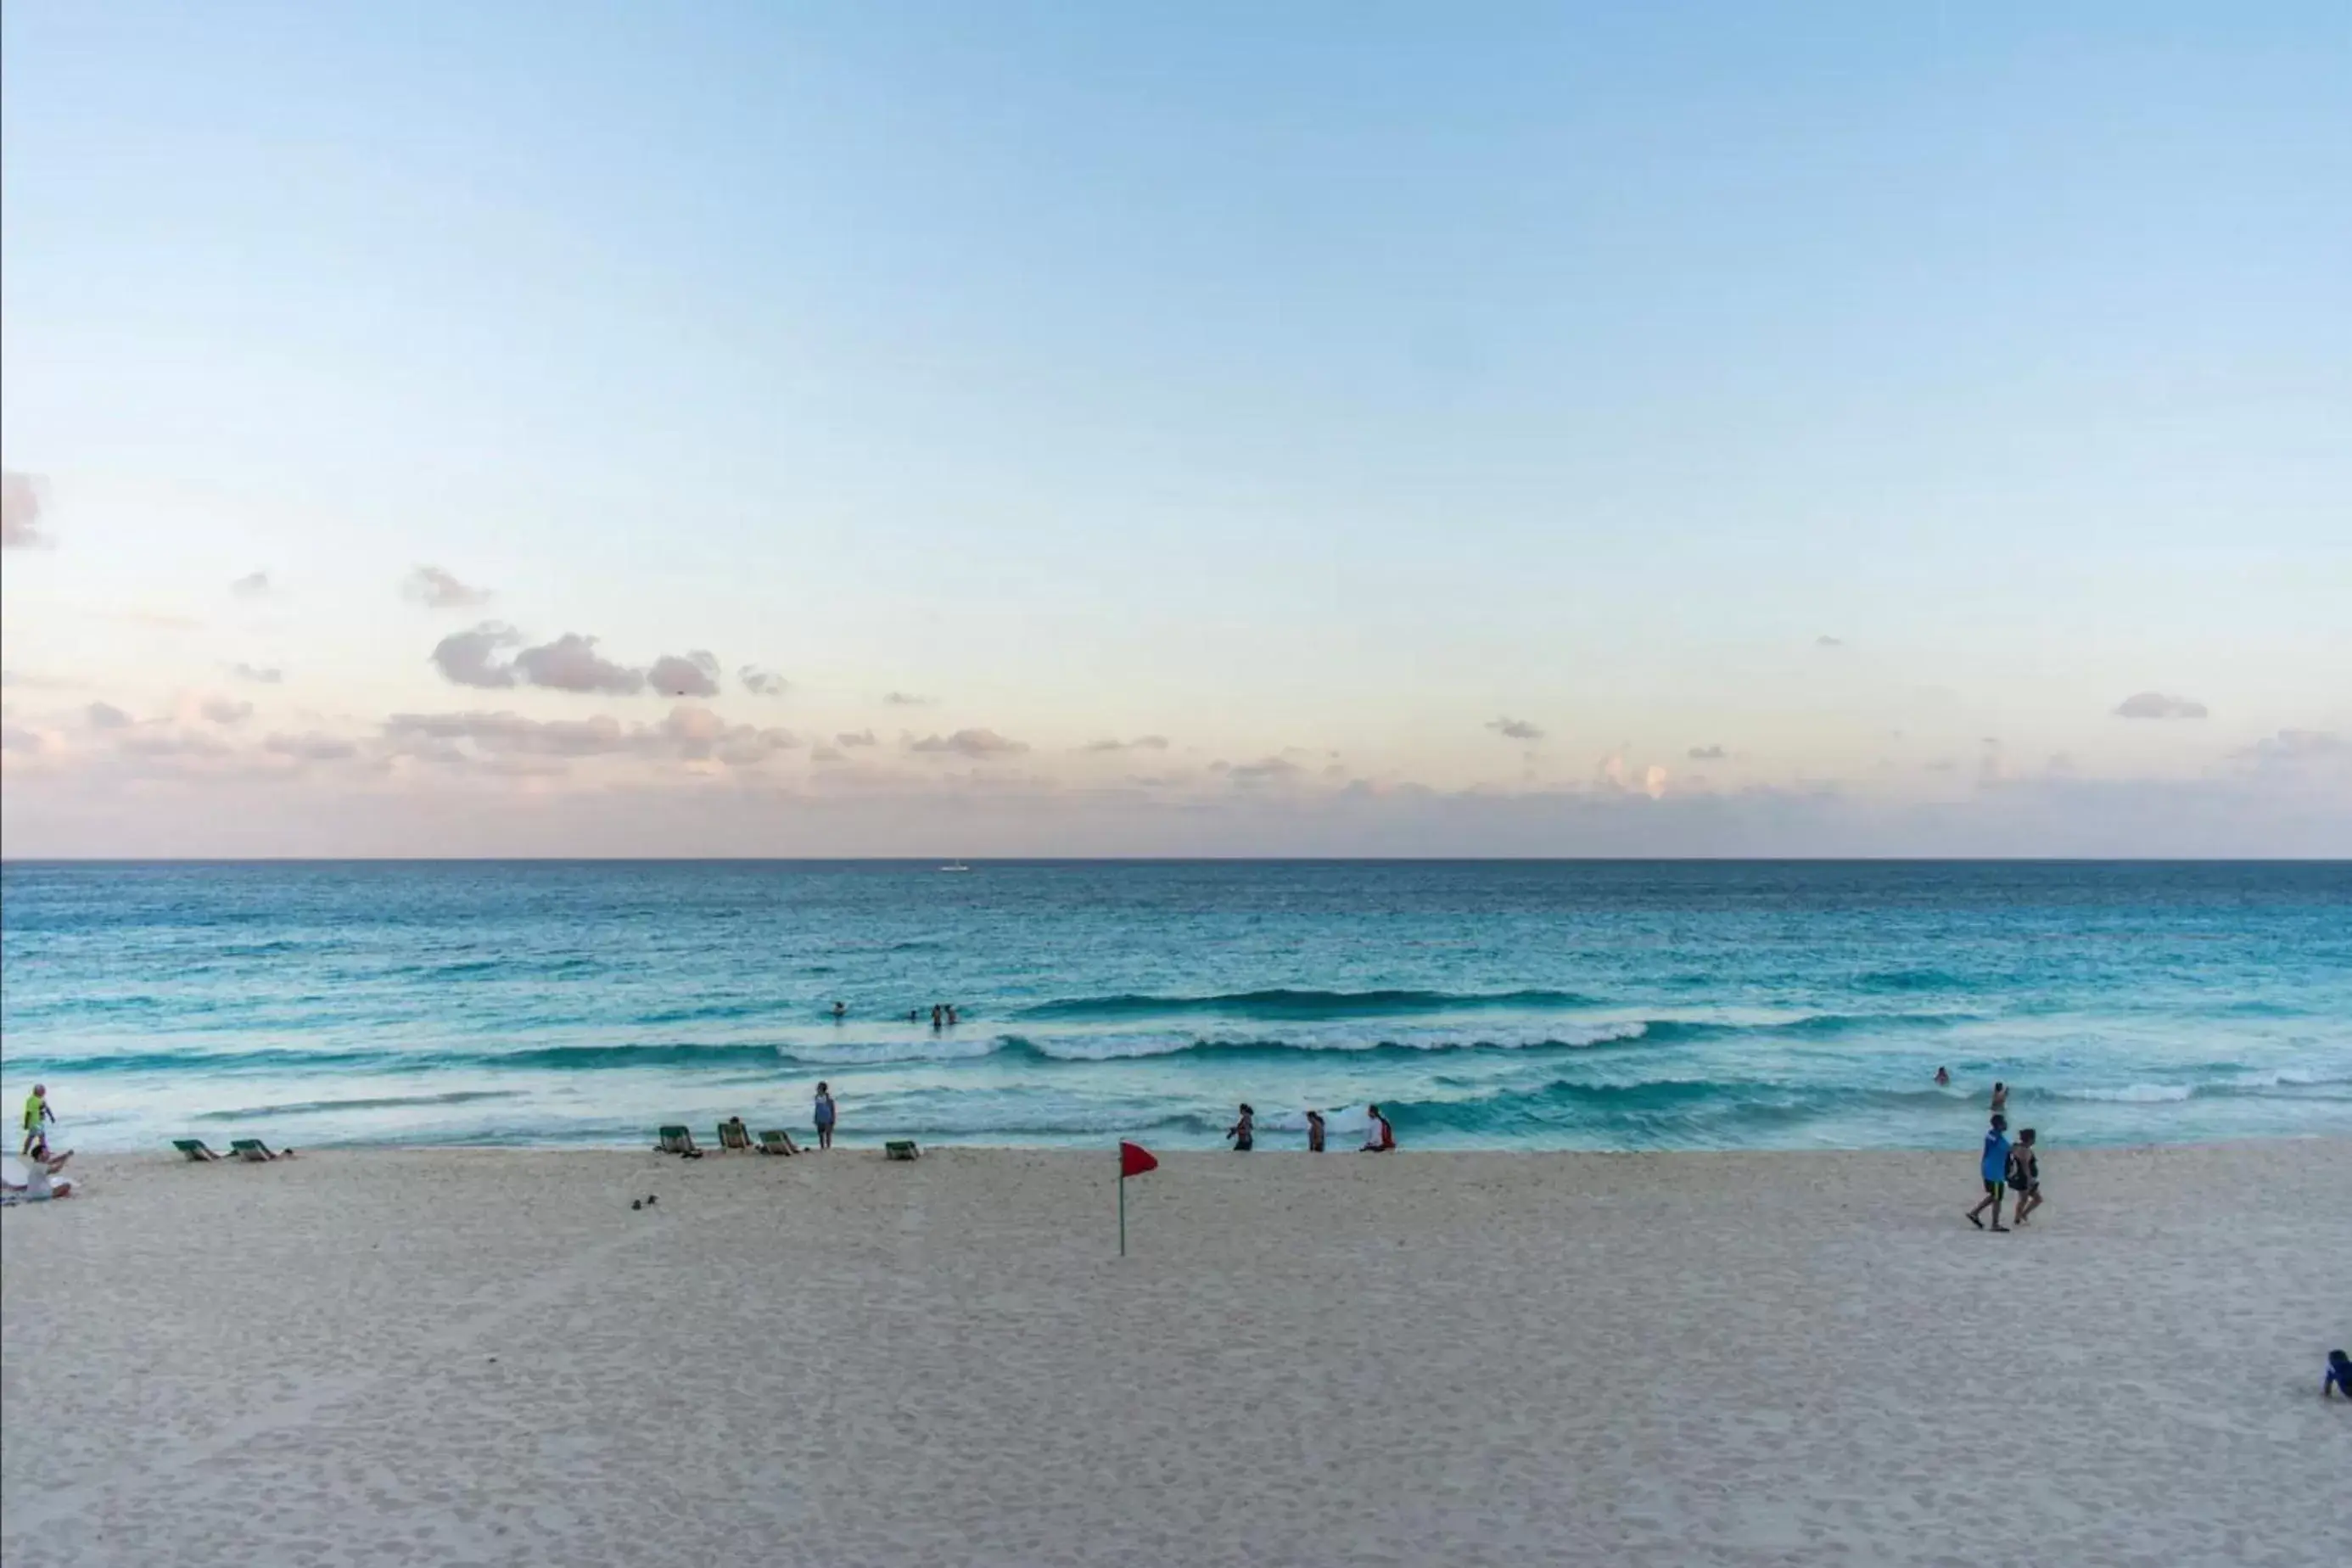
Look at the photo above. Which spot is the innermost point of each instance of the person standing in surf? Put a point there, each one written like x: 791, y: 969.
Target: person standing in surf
x: 1315, y: 1133
x: 825, y: 1114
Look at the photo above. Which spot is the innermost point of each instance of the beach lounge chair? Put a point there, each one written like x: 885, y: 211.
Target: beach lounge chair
x: 194, y: 1148
x: 900, y: 1149
x: 775, y: 1141
x: 252, y: 1149
x: 677, y: 1141
x: 732, y: 1135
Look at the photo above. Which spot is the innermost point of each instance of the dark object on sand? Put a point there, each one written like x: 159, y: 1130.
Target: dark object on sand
x: 900, y: 1149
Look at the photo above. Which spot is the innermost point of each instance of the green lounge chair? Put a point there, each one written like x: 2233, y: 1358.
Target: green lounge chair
x: 900, y: 1149
x: 677, y: 1141
x: 194, y: 1148
x: 253, y: 1149
x: 734, y: 1135
x: 776, y: 1141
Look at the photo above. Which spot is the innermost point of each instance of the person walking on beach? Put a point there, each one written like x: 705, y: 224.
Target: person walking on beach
x: 824, y: 1117
x: 37, y: 1111
x: 1315, y: 1133
x: 1994, y: 1168
x: 1243, y: 1132
x: 1381, y: 1138
x: 2025, y: 1177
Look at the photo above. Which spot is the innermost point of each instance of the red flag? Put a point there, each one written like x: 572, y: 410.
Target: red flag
x: 1134, y: 1159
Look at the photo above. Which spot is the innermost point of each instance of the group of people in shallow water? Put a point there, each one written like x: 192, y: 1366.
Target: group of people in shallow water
x: 1380, y: 1139
x: 942, y: 1014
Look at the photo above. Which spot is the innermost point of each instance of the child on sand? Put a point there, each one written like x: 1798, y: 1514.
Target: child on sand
x: 824, y: 1117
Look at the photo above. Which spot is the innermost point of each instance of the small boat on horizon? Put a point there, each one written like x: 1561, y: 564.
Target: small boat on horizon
x: 955, y: 865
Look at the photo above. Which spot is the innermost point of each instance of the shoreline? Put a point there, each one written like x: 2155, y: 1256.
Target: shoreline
x: 399, y: 1354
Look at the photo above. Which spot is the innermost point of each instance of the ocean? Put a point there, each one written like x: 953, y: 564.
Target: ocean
x: 1608, y: 1005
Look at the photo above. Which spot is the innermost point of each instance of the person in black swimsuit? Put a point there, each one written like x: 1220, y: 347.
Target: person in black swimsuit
x: 1243, y: 1132
x: 2025, y: 1177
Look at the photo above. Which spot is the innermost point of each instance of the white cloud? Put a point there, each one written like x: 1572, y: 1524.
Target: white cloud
x: 1265, y: 771
x: 107, y: 716
x: 312, y: 747
x: 693, y: 674
x: 1141, y: 743
x: 856, y: 737
x: 504, y: 731
x: 1515, y: 728
x: 1706, y: 753
x: 977, y: 743
x: 761, y: 683
x: 2157, y: 705
x: 570, y: 663
x: 439, y: 590
x: 697, y: 734
x: 257, y: 673
x: 252, y: 585
x: 20, y: 512
x: 224, y: 710
x: 906, y: 700
x: 470, y: 658
x: 1826, y: 641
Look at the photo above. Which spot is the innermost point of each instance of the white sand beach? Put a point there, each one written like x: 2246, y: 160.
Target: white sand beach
x: 452, y: 1357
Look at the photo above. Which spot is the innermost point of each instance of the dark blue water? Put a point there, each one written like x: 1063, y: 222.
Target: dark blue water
x: 1584, y: 1004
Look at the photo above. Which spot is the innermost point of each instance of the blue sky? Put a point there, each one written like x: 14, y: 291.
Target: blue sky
x: 1880, y: 397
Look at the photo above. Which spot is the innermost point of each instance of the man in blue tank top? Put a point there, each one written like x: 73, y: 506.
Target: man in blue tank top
x: 1995, y: 1170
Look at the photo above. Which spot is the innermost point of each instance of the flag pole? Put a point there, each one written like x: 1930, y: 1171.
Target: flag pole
x: 1122, y: 1206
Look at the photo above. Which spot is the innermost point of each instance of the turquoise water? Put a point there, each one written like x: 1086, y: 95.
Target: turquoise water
x: 1571, y: 1004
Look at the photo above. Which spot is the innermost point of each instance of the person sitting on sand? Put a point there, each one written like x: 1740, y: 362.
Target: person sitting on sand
x: 40, y: 1165
x: 1994, y: 1168
x: 2024, y: 1176
x: 825, y: 1114
x: 2339, y: 1376
x: 1943, y: 1079
x: 1243, y: 1132
x: 1381, y: 1138
x: 1315, y: 1133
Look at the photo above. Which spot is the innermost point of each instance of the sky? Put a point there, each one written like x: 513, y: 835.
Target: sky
x: 1218, y: 429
